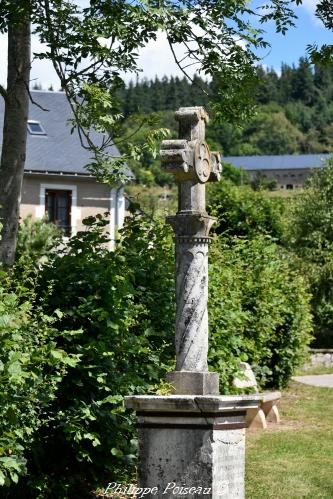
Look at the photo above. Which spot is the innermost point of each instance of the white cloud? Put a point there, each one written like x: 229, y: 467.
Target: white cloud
x: 41, y: 71
x: 310, y: 7
x: 154, y: 60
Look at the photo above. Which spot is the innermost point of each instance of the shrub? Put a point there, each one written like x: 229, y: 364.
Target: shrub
x: 311, y: 238
x: 123, y: 302
x: 237, y: 176
x: 36, y: 239
x: 240, y: 211
x: 258, y: 310
x: 31, y: 367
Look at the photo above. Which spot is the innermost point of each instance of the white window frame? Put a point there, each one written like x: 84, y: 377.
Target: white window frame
x: 34, y: 122
x: 117, y: 213
x: 75, y: 210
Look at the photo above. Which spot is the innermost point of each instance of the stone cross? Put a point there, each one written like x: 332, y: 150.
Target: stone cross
x: 190, y: 161
x: 194, y: 439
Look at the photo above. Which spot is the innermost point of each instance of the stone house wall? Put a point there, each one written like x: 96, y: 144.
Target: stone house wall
x: 88, y: 198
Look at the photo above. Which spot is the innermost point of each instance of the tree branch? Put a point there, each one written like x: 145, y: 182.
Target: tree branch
x: 3, y: 92
x: 32, y: 100
x: 176, y: 60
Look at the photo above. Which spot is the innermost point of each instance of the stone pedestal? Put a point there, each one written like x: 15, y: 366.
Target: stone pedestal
x: 192, y: 446
x: 194, y: 383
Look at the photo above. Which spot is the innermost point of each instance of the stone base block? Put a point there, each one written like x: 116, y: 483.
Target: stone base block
x: 194, y: 383
x: 192, y: 446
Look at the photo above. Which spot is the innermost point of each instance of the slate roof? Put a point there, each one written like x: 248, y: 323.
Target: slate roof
x: 58, y: 151
x: 283, y: 162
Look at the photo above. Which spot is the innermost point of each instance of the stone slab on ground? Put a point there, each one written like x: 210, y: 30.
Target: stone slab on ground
x: 324, y: 380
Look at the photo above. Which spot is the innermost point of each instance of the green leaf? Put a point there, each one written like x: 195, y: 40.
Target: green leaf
x: 15, y: 368
x: 116, y: 452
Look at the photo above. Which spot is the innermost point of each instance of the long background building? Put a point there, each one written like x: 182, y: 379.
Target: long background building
x: 289, y: 171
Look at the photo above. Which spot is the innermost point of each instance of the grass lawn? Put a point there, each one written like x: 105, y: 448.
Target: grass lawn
x: 294, y: 459
x: 314, y: 370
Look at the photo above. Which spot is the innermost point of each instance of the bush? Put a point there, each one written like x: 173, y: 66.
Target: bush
x: 311, y: 237
x: 258, y: 311
x: 36, y: 239
x: 240, y: 211
x: 237, y: 176
x: 123, y: 302
x: 31, y: 368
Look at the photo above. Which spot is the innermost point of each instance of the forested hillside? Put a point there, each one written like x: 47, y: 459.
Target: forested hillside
x: 294, y: 113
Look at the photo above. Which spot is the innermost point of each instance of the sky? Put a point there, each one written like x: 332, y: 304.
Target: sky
x: 156, y: 59
x: 289, y: 48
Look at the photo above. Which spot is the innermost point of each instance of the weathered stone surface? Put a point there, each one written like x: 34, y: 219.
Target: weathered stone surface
x: 209, y: 463
x: 247, y: 379
x: 192, y: 164
x: 192, y: 403
x: 191, y: 226
x: 256, y: 419
x: 320, y: 358
x: 192, y: 445
x: 192, y: 122
x: 268, y: 411
x: 192, y: 296
x: 194, y: 383
x: 228, y: 464
x: 273, y: 415
x: 193, y: 442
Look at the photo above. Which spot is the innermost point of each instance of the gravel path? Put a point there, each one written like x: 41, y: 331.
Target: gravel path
x: 316, y: 380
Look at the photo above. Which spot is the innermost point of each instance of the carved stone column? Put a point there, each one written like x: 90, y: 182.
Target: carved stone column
x: 192, y: 164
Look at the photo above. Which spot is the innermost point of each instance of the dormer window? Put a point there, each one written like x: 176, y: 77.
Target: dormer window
x: 35, y: 128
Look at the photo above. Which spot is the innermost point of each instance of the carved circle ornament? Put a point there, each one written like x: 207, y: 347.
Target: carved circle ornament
x: 202, y: 162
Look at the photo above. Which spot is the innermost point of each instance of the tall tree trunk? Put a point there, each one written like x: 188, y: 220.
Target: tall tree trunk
x: 14, y: 137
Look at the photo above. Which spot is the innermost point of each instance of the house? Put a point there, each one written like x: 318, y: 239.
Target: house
x: 56, y: 182
x: 289, y: 171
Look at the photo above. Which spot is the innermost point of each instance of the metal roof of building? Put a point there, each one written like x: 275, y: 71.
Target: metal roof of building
x: 58, y: 151
x: 283, y: 162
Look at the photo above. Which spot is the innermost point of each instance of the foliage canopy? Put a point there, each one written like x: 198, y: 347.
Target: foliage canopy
x: 93, y: 45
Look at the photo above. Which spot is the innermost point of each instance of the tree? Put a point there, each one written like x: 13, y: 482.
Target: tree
x: 323, y: 81
x: 285, y: 83
x: 270, y: 132
x: 274, y: 134
x: 303, y: 87
x: 324, y: 12
x: 267, y: 87
x: 14, y: 135
x: 90, y: 47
